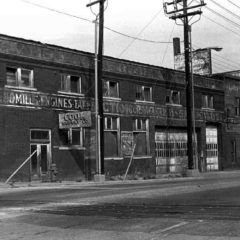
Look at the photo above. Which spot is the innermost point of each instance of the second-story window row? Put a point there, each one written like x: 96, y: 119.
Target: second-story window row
x: 70, y: 83
x: 19, y: 77
x: 207, y: 101
x: 111, y: 89
x: 143, y: 93
x: 173, y: 97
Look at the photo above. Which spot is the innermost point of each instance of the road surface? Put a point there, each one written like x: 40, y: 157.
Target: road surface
x: 186, y: 209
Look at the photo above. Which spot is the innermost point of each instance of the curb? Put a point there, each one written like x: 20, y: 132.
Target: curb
x: 65, y: 184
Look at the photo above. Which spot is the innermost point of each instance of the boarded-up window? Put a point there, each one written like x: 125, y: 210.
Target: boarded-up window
x: 141, y: 136
x: 111, y: 136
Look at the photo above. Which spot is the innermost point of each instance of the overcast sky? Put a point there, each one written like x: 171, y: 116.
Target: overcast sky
x: 135, y: 18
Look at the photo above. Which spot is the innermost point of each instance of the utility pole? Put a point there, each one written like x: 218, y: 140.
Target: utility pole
x: 179, y: 9
x: 99, y: 96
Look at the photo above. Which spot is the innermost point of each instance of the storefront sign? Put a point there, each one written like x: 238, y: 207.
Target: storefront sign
x: 157, y: 111
x: 41, y: 100
x: 75, y: 120
x: 63, y: 102
x: 127, y: 143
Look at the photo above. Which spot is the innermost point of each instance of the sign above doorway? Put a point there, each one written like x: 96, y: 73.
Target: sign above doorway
x: 75, y: 120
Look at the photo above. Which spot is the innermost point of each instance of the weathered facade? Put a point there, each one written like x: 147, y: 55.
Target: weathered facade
x: 144, y: 109
x: 231, y: 130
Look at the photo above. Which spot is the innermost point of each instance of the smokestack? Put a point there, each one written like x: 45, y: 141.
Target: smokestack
x: 176, y: 46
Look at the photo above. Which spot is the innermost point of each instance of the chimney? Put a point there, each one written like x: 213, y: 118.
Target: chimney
x: 176, y: 46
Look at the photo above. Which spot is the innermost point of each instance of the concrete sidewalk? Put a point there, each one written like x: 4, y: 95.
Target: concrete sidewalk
x: 64, y: 184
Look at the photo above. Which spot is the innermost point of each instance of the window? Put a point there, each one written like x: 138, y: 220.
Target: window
x: 144, y: 93
x: 111, y: 89
x: 19, y: 77
x: 207, y: 101
x: 70, y: 84
x: 237, y: 106
x: 173, y: 97
x: 37, y: 135
x: 71, y: 137
x: 111, y: 136
x: 141, y: 136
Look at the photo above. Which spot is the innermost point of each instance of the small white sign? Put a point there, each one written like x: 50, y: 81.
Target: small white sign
x: 75, y: 120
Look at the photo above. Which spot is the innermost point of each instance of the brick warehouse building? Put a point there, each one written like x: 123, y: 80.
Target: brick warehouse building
x: 231, y: 133
x: 38, y: 82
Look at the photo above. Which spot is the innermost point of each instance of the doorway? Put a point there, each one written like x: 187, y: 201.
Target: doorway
x: 40, y: 161
x: 171, y: 151
x: 212, y: 149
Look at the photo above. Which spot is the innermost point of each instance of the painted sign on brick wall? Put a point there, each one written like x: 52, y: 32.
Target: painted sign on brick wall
x: 126, y: 143
x: 75, y: 120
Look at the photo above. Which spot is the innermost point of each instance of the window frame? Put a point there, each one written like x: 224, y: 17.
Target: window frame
x: 142, y: 97
x: 70, y: 144
x: 115, y: 130
x: 144, y: 129
x: 40, y: 140
x: 237, y: 106
x: 170, y: 98
x: 65, y: 84
x: 107, y: 83
x: 18, y: 78
x: 207, y: 101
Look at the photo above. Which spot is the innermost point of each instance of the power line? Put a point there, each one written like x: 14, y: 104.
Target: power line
x: 144, y: 28
x: 221, y: 25
x: 227, y: 60
x: 225, y: 66
x: 220, y: 70
x: 89, y: 21
x: 222, y: 16
x: 136, y: 38
x: 227, y: 10
x: 234, y: 4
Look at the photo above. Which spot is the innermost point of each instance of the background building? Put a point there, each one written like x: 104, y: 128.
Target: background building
x: 231, y: 133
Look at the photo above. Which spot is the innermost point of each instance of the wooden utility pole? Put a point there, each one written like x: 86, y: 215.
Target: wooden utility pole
x: 99, y: 102
x: 189, y: 83
x: 180, y: 11
x: 100, y: 82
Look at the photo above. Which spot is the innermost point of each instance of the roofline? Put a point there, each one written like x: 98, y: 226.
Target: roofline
x: 38, y: 43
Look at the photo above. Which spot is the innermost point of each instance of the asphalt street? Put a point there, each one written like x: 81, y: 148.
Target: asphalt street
x: 185, y: 208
